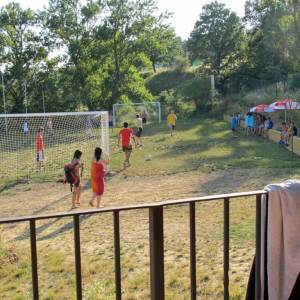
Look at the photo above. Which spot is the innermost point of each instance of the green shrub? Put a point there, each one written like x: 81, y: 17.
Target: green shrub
x: 295, y: 80
x: 167, y: 80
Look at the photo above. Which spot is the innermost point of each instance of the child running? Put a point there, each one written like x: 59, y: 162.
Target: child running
x: 39, y: 150
x: 97, y: 177
x: 78, y: 169
x: 171, y: 120
x: 125, y: 138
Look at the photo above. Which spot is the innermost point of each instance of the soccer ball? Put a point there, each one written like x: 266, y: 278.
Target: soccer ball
x: 148, y: 157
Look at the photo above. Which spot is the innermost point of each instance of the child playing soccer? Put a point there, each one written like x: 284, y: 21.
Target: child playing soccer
x: 125, y: 138
x: 171, y: 120
x: 78, y: 169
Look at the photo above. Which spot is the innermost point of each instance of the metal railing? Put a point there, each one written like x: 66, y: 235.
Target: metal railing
x: 156, y: 238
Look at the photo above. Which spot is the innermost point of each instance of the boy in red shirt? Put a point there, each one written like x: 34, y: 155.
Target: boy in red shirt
x: 39, y: 150
x: 125, y: 137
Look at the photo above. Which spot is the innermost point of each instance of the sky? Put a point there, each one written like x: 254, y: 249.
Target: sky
x: 186, y: 12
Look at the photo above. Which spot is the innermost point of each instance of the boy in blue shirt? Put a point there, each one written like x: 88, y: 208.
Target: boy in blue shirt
x: 234, y: 123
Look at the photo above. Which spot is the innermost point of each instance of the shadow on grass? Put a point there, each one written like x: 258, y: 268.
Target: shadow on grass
x: 58, y: 231
x: 182, y: 125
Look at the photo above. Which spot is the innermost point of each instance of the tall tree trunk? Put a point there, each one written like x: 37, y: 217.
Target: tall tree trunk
x: 115, y: 91
x: 153, y: 66
x: 296, y: 7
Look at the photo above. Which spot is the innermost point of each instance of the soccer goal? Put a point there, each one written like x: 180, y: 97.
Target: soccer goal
x: 62, y: 134
x: 126, y: 112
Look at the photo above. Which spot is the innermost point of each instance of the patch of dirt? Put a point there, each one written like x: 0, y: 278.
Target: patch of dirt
x: 41, y: 198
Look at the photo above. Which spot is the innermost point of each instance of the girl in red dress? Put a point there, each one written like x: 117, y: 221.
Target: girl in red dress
x: 97, y: 177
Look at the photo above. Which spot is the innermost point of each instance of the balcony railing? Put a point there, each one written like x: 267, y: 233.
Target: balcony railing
x: 156, y: 237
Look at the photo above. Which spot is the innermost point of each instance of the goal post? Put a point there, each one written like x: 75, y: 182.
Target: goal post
x: 62, y: 134
x: 126, y: 112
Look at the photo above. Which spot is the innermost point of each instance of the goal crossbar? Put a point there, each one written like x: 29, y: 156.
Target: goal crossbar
x: 53, y: 114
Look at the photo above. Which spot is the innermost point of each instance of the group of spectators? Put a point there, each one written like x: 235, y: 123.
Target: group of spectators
x: 259, y: 125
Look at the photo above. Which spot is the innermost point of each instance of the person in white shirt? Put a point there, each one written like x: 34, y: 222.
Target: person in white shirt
x: 138, y: 134
x: 50, y: 127
x: 25, y: 129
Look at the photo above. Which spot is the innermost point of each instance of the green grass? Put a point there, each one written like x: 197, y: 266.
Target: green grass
x: 201, y: 149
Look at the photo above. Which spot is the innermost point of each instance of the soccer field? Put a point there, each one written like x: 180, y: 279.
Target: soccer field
x: 202, y: 158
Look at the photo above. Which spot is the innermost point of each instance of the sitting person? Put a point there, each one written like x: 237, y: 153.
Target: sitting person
x: 261, y: 124
x: 294, y: 129
x: 268, y: 124
x: 284, y: 136
x: 271, y: 124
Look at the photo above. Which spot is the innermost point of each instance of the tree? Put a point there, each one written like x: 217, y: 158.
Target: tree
x: 270, y: 45
x: 216, y: 38
x: 23, y: 52
x: 126, y: 21
x: 160, y: 42
x: 71, y: 28
x: 198, y: 90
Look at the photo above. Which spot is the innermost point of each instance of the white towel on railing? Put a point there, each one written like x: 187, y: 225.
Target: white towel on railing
x: 283, y: 244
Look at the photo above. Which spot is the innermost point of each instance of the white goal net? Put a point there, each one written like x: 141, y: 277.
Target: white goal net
x: 126, y: 112
x: 62, y: 134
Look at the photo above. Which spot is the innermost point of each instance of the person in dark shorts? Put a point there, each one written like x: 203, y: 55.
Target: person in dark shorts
x: 78, y: 169
x: 111, y: 121
x: 171, y: 120
x: 125, y: 138
x: 138, y: 134
x: 144, y: 116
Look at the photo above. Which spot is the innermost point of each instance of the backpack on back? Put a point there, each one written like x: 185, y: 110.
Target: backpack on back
x: 70, y: 176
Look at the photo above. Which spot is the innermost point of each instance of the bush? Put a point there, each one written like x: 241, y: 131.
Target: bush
x: 167, y: 80
x: 169, y: 101
x: 295, y: 81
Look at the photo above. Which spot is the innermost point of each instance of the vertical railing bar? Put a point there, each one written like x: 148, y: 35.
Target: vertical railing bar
x: 193, y: 251
x: 226, y: 249
x: 117, y: 255
x: 258, y: 247
x: 77, y: 257
x: 34, y: 266
x: 156, y: 237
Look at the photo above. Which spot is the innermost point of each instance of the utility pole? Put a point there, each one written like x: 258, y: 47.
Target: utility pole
x: 4, y: 101
x: 213, y: 87
x: 25, y: 93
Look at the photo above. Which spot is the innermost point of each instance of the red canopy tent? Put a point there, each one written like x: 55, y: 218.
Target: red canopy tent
x: 286, y: 104
x: 259, y: 108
